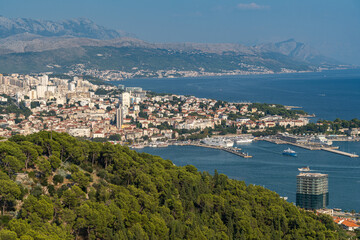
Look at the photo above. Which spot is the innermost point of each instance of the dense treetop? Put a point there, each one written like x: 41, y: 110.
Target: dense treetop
x: 53, y: 186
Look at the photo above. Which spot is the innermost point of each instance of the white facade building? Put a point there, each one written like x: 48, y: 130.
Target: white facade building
x: 125, y: 99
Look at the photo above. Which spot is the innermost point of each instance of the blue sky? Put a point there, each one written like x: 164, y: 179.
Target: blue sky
x: 332, y: 27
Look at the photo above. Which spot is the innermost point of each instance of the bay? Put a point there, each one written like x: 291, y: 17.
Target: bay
x: 328, y: 94
x: 271, y: 169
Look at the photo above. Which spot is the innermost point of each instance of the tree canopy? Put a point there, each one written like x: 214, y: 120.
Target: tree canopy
x: 64, y: 188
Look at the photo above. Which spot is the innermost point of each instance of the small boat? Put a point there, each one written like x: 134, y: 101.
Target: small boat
x: 137, y: 146
x: 289, y: 152
x: 162, y: 144
x: 304, y: 169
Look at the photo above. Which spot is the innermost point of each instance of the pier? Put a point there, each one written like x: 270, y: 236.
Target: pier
x: 332, y: 149
x: 341, y: 152
x: 229, y: 150
x: 278, y: 141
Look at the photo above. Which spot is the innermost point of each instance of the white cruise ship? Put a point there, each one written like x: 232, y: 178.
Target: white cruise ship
x: 243, y: 140
x: 219, y: 142
x: 322, y: 140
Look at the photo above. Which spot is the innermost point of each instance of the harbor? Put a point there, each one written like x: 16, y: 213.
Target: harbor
x: 219, y: 143
x: 300, y: 142
x: 233, y: 150
x: 227, y: 144
x: 269, y: 168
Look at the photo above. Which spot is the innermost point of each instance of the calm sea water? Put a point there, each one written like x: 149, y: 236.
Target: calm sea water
x: 330, y: 95
x: 277, y: 172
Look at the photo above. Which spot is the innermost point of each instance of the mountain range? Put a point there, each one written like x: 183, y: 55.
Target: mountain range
x: 28, y: 45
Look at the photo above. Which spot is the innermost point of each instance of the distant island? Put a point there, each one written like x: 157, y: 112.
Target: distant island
x: 81, y: 47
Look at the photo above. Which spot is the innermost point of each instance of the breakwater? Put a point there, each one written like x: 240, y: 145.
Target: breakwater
x: 235, y: 151
x: 332, y: 149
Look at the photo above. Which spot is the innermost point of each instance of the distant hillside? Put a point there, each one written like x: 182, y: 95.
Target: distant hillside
x: 28, y: 45
x: 53, y: 186
x: 299, y: 51
x: 133, y: 59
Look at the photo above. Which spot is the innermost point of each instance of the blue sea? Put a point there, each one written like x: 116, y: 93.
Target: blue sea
x: 277, y: 172
x: 330, y: 95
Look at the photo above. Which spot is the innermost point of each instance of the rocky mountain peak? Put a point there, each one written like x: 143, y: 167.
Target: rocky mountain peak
x: 79, y: 27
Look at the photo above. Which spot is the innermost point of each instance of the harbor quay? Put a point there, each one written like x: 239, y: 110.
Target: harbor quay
x: 226, y: 143
x: 233, y: 150
x: 307, y: 144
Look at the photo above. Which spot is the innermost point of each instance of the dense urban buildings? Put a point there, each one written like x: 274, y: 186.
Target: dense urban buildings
x: 312, y: 190
x: 80, y: 108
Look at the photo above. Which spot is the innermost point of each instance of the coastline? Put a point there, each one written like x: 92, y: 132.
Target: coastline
x: 212, y: 74
x: 295, y: 89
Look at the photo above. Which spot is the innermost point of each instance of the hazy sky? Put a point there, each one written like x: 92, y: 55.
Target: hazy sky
x: 331, y: 26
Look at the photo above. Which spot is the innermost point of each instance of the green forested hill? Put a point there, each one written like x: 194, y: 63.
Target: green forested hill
x: 53, y: 186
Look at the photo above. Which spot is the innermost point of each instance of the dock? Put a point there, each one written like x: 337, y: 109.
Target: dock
x: 229, y: 150
x: 241, y: 154
x: 333, y: 149
x: 278, y: 141
x: 352, y: 155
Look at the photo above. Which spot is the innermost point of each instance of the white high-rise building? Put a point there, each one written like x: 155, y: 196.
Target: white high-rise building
x: 51, y: 89
x: 125, y: 111
x: 44, y: 80
x: 32, y: 94
x: 125, y: 99
x: 40, y: 91
x: 71, y: 86
x: 79, y: 83
x: 119, y: 117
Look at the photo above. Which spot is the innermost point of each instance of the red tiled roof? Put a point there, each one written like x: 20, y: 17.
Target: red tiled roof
x: 349, y: 224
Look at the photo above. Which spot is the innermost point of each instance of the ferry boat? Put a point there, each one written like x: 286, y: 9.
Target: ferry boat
x: 304, y: 169
x: 289, y: 152
x: 243, y: 140
x: 321, y: 140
